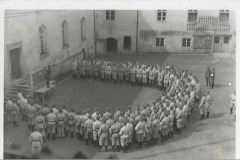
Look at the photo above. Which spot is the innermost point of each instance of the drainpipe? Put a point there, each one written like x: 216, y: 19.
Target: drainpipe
x: 137, y: 34
x: 94, y: 34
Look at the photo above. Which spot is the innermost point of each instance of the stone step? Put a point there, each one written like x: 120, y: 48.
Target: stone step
x: 21, y: 86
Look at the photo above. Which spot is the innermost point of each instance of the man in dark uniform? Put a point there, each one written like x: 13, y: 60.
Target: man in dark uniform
x: 207, y: 75
x: 212, y: 77
x: 48, y: 76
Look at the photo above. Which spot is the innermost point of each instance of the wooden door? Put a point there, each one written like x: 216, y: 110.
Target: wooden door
x: 15, y: 61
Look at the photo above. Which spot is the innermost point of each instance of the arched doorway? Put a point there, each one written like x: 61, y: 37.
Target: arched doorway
x: 127, y: 43
x: 111, y: 45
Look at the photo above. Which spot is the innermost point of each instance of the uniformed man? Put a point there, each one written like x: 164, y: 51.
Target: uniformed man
x: 61, y: 118
x: 51, y: 124
x: 48, y: 75
x: 108, y: 73
x: 114, y: 73
x: 129, y: 125
x: 102, y: 71
x: 96, y: 127
x: 126, y: 74
x: 140, y: 132
x: 208, y: 104
x: 8, y: 108
x: 148, y: 130
x: 212, y: 77
x: 88, y: 129
x: 132, y: 75
x: 83, y: 119
x: 185, y: 114
x: 161, y: 74
x: 202, y: 106
x: 71, y: 124
x: 155, y: 129
x: 166, y: 79
x: 120, y: 74
x: 139, y: 75
x: 110, y: 121
x: 207, y: 75
x: 151, y: 77
x: 233, y: 102
x: 36, y: 141
x: 45, y: 111
x: 124, y: 133
x: 114, y: 133
x: 144, y: 76
x: 74, y: 68
x: 31, y: 117
x: 40, y: 125
x: 117, y: 114
x: 103, y: 135
x: 64, y: 111
x: 164, y: 126
x: 15, y: 112
x: 179, y: 119
x: 170, y: 124
x: 107, y: 114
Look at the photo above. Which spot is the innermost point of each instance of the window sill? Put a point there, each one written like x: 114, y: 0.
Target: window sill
x: 44, y: 55
x: 161, y: 21
x: 65, y: 46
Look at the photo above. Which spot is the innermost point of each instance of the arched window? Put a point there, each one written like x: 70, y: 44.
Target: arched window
x: 83, y: 28
x: 42, y: 39
x: 65, y: 34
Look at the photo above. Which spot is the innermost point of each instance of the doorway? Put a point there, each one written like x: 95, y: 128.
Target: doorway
x: 221, y: 44
x: 127, y: 43
x: 111, y: 45
x: 15, y: 62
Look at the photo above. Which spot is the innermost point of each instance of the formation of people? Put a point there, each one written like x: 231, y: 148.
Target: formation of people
x: 145, y: 124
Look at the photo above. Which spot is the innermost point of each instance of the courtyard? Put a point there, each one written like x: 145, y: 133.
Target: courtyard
x: 212, y: 138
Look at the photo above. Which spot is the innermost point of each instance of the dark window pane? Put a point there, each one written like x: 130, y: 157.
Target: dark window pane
x: 192, y: 16
x: 216, y: 39
x: 224, y: 17
x: 226, y: 39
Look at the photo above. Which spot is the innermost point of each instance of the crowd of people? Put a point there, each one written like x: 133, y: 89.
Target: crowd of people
x: 146, y: 124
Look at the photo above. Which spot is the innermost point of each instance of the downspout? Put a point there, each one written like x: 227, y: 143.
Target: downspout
x: 94, y: 34
x: 137, y: 34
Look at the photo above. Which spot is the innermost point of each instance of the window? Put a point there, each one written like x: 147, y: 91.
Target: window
x: 110, y: 15
x: 42, y: 39
x: 161, y: 16
x: 65, y: 34
x: 83, y: 28
x: 186, y: 42
x: 159, y: 41
x: 192, y: 15
x: 224, y: 16
x: 226, y: 40
x: 216, y: 39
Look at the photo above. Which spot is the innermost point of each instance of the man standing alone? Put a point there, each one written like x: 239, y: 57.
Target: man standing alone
x: 207, y: 75
x: 48, y: 76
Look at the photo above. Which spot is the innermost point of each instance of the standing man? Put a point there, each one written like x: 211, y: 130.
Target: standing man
x: 202, y: 106
x: 212, y: 77
x: 40, y: 125
x: 155, y: 129
x: 15, y: 112
x: 8, y: 108
x: 124, y: 137
x: 77, y: 121
x: 207, y: 75
x: 208, y: 104
x: 37, y: 141
x: 61, y: 117
x: 31, y: 117
x: 114, y: 133
x: 48, y: 76
x: 88, y: 129
x: 140, y: 132
x: 96, y: 126
x: 70, y: 119
x: 233, y: 101
x: 51, y: 124
x: 103, y: 134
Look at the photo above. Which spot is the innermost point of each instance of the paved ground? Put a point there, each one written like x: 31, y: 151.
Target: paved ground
x: 208, y: 139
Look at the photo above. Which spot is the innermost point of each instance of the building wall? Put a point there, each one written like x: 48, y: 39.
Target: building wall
x: 173, y: 29
x: 23, y: 26
x: 123, y: 25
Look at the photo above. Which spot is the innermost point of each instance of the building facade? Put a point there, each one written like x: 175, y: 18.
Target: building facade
x: 166, y: 31
x: 37, y: 38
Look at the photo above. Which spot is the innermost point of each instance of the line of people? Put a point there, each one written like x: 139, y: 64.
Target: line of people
x: 147, y: 124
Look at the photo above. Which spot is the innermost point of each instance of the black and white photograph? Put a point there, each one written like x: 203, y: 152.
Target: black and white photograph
x: 119, y: 84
